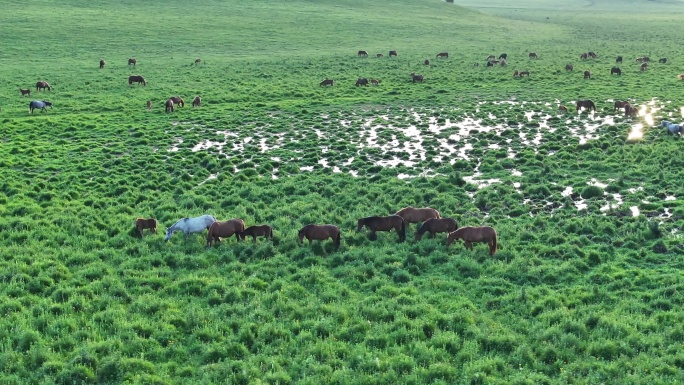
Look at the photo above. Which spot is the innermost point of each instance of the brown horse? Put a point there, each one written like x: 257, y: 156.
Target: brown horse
x: 327, y: 82
x: 136, y: 79
x: 417, y: 78
x: 362, y: 53
x: 426, y: 62
x: 361, y: 82
x: 680, y: 76
x: 532, y: 55
x: 374, y: 82
x: 516, y: 74
x: 643, y: 59
x: 587, y: 74
x: 592, y: 54
x: 168, y: 106
x: 321, y: 232
x: 618, y: 59
x: 630, y: 111
x: 198, y: 61
x: 25, y: 92
x: 392, y: 53
x: 569, y: 67
x: 618, y: 104
x: 436, y: 225
x: 503, y: 63
x: 379, y: 55
x: 196, y: 101
x: 42, y: 85
x: 178, y: 101
x: 662, y: 60
x: 471, y: 234
x: 149, y: 105
x: 384, y: 224
x: 257, y: 231
x: 643, y: 66
x: 491, y: 57
x: 443, y: 54
x: 525, y: 73
x: 132, y: 61
x: 615, y: 70
x: 414, y: 215
x: 145, y: 223
x: 102, y: 63
x: 587, y: 104
x: 226, y: 229
x: 584, y: 56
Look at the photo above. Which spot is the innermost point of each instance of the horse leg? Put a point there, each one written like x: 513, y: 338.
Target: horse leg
x: 468, y: 245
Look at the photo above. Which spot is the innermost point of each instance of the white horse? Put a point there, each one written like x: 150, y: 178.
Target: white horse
x: 672, y: 128
x: 190, y: 225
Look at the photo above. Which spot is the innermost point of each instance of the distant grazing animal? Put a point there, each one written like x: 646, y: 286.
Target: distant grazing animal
x: 662, y: 60
x: 198, y: 61
x: 643, y: 66
x: 643, y: 59
x: 443, y: 54
x: 196, y: 101
x: 532, y: 55
x: 569, y: 67
x: 320, y: 232
x: 680, y: 76
x: 378, y: 55
x: 374, y: 82
x: 616, y: 70
x: 562, y: 108
x: 672, y: 128
x: 42, y: 85
x: 587, y: 74
x: 592, y: 54
x: 168, y: 106
x: 525, y: 73
x: 426, y: 62
x: 586, y: 104
x: 618, y: 59
x: 225, y: 229
x: 149, y: 105
x: 417, y: 78
x: 102, y: 64
x: 24, y: 92
x: 475, y: 234
x: 415, y: 215
x: 516, y: 74
x: 136, y: 79
x: 39, y: 104
x: 476, y: 64
x: 584, y: 56
x: 502, y: 62
x: 361, y: 82
x: 132, y: 61
x: 362, y: 53
x: 383, y: 224
x: 327, y: 82
x: 145, y: 223
x: 392, y: 53
x: 630, y: 111
x: 436, y: 225
x: 177, y: 100
x: 491, y: 57
x: 503, y: 56
x: 190, y: 225
x: 490, y: 64
x: 257, y: 231
x: 619, y: 104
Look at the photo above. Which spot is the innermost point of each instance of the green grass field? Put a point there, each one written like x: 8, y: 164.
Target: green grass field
x: 586, y: 287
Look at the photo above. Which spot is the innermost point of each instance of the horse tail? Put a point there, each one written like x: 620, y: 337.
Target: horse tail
x: 337, y: 238
x: 492, y: 247
x: 210, y: 233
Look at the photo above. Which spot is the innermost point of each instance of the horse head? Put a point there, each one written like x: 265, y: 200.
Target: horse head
x: 169, y: 232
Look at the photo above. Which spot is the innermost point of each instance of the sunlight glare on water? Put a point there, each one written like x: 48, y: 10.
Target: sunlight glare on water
x: 636, y: 133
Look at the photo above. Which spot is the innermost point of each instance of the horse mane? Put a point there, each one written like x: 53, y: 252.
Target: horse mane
x: 179, y: 221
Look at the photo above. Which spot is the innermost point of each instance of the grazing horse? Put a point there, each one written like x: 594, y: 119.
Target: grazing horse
x: 490, y: 64
x: 178, y: 101
x: 320, y: 232
x: 225, y: 229
x: 503, y: 62
x: 190, y: 225
x: 102, y: 63
x: 415, y: 215
x: 145, y: 223
x: 516, y: 74
x: 662, y: 60
x: 591, y: 54
x: 615, y: 70
x: 417, y: 78
x: 257, y: 231
x: 532, y: 55
x: 198, y: 61
x: 392, y: 53
x: 619, y: 104
x: 42, y: 85
x: 379, y: 55
x: 680, y: 76
x: 436, y: 225
x: 587, y: 104
x: 426, y: 62
x: 503, y: 56
x: 562, y: 108
x: 327, y: 82
x: 630, y: 110
x: 25, y: 92
x: 584, y: 56
x: 39, y: 104
x: 569, y: 67
x: 374, y: 82
x: 618, y: 59
x: 491, y: 57
x: 149, y: 105
x: 132, y: 61
x: 443, y: 54
x: 136, y: 79
x: 524, y: 73
x: 643, y: 66
x: 587, y: 74
x: 196, y: 101
x: 362, y: 53
x: 168, y: 106
x: 672, y: 128
x: 471, y: 234
x: 361, y: 82
x: 383, y: 224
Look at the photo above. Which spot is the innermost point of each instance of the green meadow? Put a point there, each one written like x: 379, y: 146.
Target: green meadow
x: 587, y: 284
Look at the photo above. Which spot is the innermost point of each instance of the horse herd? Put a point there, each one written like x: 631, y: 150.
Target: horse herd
x: 430, y: 222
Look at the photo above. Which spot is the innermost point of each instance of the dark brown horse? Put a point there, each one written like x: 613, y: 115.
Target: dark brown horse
x: 662, y: 60
x: 630, y: 111
x: 327, y: 82
x: 42, y: 85
x: 436, y: 225
x: 361, y: 82
x: 375, y: 82
x: 384, y: 224
x: 618, y: 59
x: 586, y: 104
x: 443, y: 54
x: 532, y: 55
x: 321, y: 232
x: 618, y: 104
x: 426, y: 62
x: 643, y: 66
x: 168, y: 106
x: 149, y: 105
x: 136, y: 79
x: 417, y: 78
x: 178, y: 101
x: 196, y: 101
x: 525, y: 73
x: 616, y: 71
x: 362, y: 53
x: 226, y: 229
x: 198, y: 61
x: 25, y: 91
x: 102, y: 63
x: 587, y: 74
x: 257, y: 231
x: 392, y: 53
x: 592, y: 54
x: 584, y: 56
x: 503, y: 56
x: 414, y: 215
x: 145, y: 223
x: 132, y: 61
x: 569, y: 67
x: 379, y: 55
x: 471, y: 234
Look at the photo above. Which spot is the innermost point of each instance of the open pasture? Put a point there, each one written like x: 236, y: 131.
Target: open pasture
x: 585, y: 286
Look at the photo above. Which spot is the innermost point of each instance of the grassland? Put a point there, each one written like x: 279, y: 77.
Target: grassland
x: 585, y: 289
